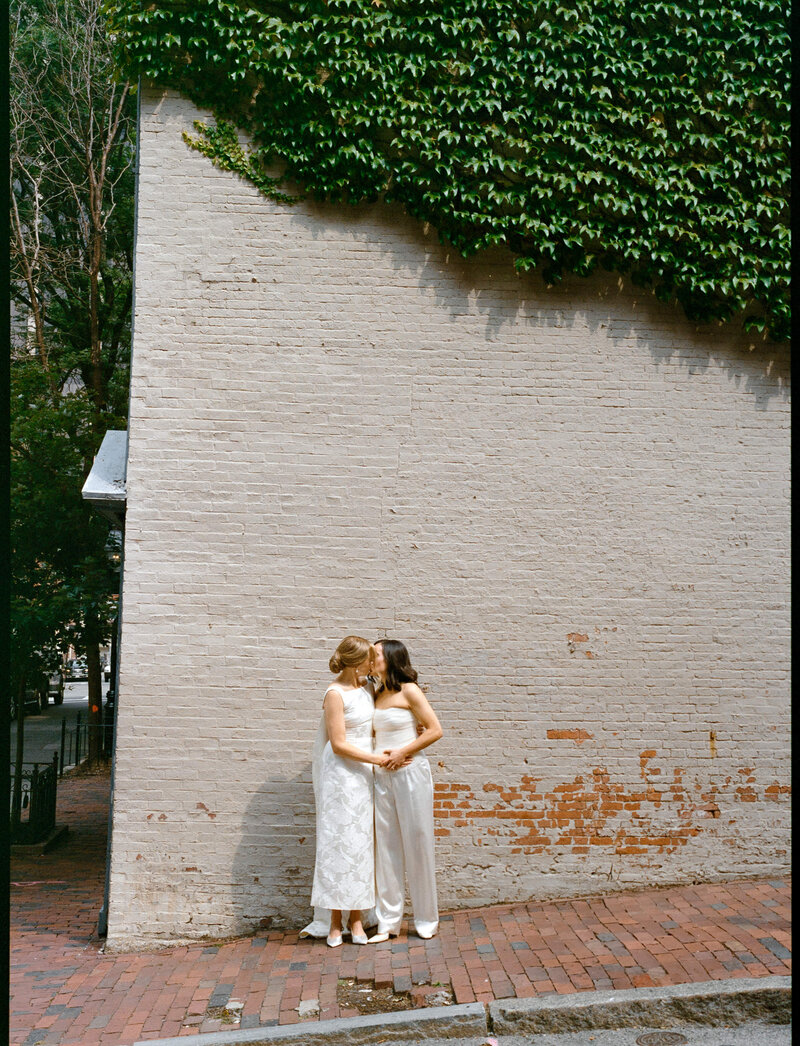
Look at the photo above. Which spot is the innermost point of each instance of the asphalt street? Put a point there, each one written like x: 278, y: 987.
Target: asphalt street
x: 692, y: 1035
x: 43, y: 732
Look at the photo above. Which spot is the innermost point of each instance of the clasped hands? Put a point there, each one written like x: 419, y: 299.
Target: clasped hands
x: 393, y: 759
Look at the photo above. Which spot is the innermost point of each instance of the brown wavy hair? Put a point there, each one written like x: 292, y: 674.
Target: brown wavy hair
x: 398, y: 665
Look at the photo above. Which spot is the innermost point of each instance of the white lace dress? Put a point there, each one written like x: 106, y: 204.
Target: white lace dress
x: 344, y: 871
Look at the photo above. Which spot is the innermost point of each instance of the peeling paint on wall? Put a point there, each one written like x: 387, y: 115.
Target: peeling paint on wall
x: 591, y: 810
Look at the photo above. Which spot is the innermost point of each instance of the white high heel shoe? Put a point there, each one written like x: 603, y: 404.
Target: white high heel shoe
x: 358, y: 938
x: 379, y: 938
x: 333, y: 940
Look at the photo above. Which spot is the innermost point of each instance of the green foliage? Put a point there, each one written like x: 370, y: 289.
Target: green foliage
x: 72, y: 193
x: 61, y: 580
x: 220, y: 143
x: 648, y: 138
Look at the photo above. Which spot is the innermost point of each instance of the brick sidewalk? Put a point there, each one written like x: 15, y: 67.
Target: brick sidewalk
x: 65, y: 991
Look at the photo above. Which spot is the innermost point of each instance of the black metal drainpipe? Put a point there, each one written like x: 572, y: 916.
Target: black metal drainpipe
x: 102, y: 919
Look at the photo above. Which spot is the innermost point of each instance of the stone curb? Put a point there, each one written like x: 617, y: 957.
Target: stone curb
x: 711, y: 1003
x: 733, y: 1001
x: 443, y: 1022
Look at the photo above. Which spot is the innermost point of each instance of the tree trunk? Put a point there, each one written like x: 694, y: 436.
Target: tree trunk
x: 16, y: 804
x: 95, y: 703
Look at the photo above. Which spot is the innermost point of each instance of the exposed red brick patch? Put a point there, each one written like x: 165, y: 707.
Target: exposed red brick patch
x: 580, y: 814
x: 575, y: 814
x: 574, y: 734
x: 577, y: 637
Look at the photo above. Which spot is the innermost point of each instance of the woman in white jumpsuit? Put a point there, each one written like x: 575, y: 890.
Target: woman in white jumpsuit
x: 403, y: 796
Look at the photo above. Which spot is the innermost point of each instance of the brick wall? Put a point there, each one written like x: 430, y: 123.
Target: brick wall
x: 571, y: 504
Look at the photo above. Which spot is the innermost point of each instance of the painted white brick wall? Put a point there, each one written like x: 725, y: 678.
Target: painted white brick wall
x: 571, y: 504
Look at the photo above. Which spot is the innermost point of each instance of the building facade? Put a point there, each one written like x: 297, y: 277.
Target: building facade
x: 571, y: 504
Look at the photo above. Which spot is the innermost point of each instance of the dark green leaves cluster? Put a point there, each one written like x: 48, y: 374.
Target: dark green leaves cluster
x: 646, y: 138
x: 72, y: 191
x: 60, y: 576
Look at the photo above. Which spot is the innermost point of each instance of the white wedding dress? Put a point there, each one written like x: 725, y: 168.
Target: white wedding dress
x: 344, y: 871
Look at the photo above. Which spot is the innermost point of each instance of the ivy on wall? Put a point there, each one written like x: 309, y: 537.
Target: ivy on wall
x: 647, y: 138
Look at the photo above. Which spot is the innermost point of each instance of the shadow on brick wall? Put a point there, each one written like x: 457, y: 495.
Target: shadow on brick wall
x: 606, y: 305
x: 273, y: 864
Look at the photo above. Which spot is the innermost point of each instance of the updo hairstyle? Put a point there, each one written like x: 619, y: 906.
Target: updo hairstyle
x: 352, y: 651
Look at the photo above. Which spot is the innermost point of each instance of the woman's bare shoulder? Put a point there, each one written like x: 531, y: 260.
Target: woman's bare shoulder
x: 411, y: 692
x: 336, y: 690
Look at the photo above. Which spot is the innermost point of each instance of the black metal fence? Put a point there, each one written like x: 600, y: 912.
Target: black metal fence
x: 74, y: 743
x: 33, y: 798
x: 75, y: 740
x: 33, y: 801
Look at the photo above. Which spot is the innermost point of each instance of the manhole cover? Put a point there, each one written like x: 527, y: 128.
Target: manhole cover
x: 662, y: 1038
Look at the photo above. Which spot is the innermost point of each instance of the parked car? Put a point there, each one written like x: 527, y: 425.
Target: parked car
x: 78, y: 670
x: 35, y: 697
x: 55, y: 688
x: 33, y: 703
x: 50, y: 687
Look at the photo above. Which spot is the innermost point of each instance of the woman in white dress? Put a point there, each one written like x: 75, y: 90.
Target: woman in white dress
x: 344, y: 876
x: 403, y: 795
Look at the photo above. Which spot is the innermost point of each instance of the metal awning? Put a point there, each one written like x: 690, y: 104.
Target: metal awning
x: 105, y: 485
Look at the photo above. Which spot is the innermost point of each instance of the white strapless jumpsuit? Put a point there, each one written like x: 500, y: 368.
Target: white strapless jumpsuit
x: 403, y: 829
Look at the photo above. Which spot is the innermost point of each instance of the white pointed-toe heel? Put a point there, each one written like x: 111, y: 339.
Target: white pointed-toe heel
x: 358, y: 938
x: 333, y: 940
x: 379, y: 938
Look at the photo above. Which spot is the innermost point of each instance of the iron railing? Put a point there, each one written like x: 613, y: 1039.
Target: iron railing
x: 33, y: 798
x: 74, y: 743
x: 75, y: 740
x: 33, y: 801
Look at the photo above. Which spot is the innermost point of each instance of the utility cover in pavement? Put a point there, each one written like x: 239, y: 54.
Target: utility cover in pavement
x: 662, y: 1038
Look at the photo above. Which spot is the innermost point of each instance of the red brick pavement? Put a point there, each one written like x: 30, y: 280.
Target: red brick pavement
x: 65, y: 991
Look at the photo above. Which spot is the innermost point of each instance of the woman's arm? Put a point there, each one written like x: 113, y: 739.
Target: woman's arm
x: 337, y: 735
x: 426, y: 716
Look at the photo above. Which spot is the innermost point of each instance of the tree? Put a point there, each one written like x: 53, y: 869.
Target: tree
x: 72, y: 185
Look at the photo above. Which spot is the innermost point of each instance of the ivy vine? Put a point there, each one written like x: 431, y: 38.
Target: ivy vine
x: 646, y: 138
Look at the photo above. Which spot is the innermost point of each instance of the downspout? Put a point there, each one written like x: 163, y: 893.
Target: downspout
x: 102, y: 919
